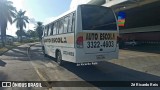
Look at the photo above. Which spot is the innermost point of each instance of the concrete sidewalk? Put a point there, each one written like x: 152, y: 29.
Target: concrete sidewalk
x: 15, y: 65
x: 139, y: 61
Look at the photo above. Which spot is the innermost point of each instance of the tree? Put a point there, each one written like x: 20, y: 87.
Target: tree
x: 21, y: 21
x: 7, y: 11
x: 39, y: 30
x: 19, y: 33
x: 32, y: 33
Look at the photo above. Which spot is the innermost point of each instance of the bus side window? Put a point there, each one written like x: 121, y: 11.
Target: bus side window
x: 49, y: 30
x: 45, y: 33
x: 61, y: 25
x: 73, y: 22
x: 57, y: 27
x: 52, y: 26
x: 66, y: 24
x: 70, y: 23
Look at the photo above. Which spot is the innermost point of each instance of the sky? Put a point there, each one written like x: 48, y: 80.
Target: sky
x: 39, y: 10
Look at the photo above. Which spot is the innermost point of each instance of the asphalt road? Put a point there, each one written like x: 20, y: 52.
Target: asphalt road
x: 20, y: 65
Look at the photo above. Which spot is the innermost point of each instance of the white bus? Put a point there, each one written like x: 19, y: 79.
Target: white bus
x: 85, y: 34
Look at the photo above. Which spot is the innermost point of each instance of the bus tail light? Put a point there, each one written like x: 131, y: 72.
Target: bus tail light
x: 79, y: 42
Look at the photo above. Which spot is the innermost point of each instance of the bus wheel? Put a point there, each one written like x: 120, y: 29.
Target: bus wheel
x: 59, y: 58
x: 43, y: 49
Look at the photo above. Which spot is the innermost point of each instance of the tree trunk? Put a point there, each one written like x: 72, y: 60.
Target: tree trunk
x: 21, y: 28
x: 3, y: 33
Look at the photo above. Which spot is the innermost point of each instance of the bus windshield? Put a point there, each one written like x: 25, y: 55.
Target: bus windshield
x: 97, y: 18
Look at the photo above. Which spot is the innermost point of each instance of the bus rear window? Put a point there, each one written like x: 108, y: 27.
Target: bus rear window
x: 98, y: 18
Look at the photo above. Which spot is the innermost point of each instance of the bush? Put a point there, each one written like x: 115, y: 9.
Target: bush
x: 30, y: 40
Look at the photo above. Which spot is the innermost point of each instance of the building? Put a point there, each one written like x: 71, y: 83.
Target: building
x: 142, y: 17
x: 9, y: 39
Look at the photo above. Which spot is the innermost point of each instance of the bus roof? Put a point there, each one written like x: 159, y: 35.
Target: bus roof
x: 60, y: 16
x: 67, y: 12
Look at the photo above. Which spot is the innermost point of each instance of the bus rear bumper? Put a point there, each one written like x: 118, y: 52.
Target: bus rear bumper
x: 96, y: 57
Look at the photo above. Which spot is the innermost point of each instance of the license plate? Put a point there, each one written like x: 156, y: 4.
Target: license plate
x: 100, y: 57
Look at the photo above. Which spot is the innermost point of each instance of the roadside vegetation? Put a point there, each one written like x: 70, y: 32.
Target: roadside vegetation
x: 9, y: 13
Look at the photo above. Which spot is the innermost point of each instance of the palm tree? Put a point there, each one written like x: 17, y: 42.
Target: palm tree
x: 18, y: 33
x: 39, y: 30
x: 21, y: 21
x: 7, y: 11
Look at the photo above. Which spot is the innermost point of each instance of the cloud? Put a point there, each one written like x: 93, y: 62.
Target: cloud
x: 32, y: 20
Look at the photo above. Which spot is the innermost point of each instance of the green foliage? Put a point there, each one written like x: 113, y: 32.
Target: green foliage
x: 19, y: 33
x: 32, y: 33
x: 30, y: 40
x: 39, y: 29
x: 7, y: 12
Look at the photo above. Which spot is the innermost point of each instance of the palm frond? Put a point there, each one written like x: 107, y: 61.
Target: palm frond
x: 10, y: 7
x: 9, y: 19
x: 9, y: 2
x: 26, y: 19
x: 15, y: 20
x: 23, y: 12
x: 13, y: 14
x: 24, y: 24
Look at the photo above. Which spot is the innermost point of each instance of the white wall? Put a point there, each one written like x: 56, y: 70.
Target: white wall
x: 113, y: 2
x: 75, y: 3
x: 108, y: 3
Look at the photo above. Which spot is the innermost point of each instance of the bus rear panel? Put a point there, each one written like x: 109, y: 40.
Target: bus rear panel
x: 96, y: 40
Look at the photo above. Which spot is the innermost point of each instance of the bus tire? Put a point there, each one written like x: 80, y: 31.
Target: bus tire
x: 43, y: 49
x: 59, y: 58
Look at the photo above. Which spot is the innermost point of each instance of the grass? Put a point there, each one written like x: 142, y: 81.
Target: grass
x: 8, y: 47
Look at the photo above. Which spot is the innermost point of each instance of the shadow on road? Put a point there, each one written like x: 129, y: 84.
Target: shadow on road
x: 37, y: 50
x: 113, y: 72
x: 3, y: 76
x: 2, y: 63
x: 106, y: 71
x: 18, y: 53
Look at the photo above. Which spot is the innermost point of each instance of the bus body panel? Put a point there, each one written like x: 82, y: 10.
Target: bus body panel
x: 68, y: 54
x: 64, y: 43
